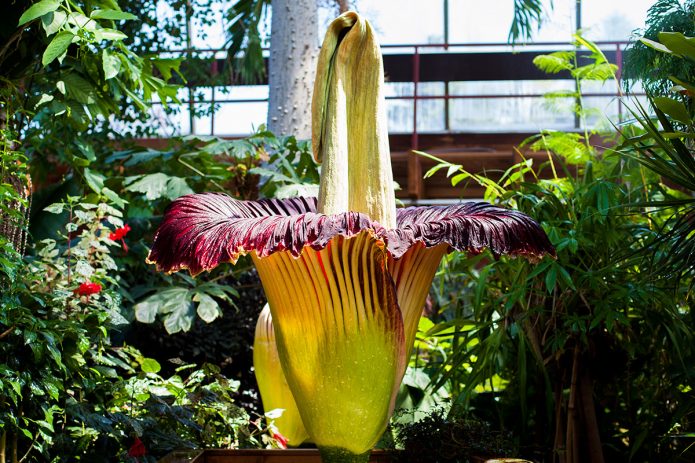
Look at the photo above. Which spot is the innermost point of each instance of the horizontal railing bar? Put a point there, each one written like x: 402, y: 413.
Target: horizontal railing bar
x: 422, y: 97
x: 425, y: 45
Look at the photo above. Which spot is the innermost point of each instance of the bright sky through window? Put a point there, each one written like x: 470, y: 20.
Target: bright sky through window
x: 421, y: 22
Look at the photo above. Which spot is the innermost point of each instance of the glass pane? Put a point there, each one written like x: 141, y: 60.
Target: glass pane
x: 510, y: 114
x: 510, y: 87
x: 615, y: 20
x: 476, y: 21
x: 430, y: 115
x: 405, y: 21
x: 400, y: 116
x: 239, y: 118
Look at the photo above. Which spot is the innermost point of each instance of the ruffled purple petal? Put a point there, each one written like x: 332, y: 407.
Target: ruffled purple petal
x: 202, y: 231
x: 470, y: 227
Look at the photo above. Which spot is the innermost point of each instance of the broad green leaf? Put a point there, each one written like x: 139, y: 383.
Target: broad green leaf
x: 38, y: 9
x: 180, y: 316
x: 114, y: 15
x: 678, y: 43
x: 175, y: 303
x: 57, y: 47
x: 149, y: 365
x: 45, y: 98
x: 109, y: 34
x: 94, y: 180
x: 655, y: 45
x: 154, y: 186
x: 158, y: 185
x: 166, y: 67
x: 111, y: 65
x: 55, y: 208
x: 176, y: 187
x: 208, y: 309
x: 79, y: 88
x: 673, y: 108
x: 53, y: 22
x: 113, y: 197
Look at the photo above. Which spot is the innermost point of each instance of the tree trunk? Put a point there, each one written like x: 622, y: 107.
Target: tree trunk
x: 294, y: 45
x: 593, y: 438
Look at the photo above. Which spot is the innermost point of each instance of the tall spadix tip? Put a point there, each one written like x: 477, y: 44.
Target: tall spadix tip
x: 349, y: 127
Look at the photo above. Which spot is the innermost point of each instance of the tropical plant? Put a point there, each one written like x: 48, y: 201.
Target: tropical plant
x: 370, y: 279
x: 648, y: 65
x: 668, y: 151
x: 538, y: 350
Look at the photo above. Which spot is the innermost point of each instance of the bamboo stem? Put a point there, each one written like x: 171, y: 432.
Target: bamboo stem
x: 572, y: 437
x: 593, y: 438
x: 3, y: 446
x: 559, y: 449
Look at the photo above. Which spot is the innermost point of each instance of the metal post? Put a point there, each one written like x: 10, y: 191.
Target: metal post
x: 416, y: 80
x: 619, y: 78
x: 214, y: 72
x: 189, y: 54
x: 446, y: 24
x: 415, y: 186
x: 577, y: 86
x: 446, y: 47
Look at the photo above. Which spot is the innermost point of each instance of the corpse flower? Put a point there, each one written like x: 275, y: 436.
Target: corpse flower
x: 346, y: 275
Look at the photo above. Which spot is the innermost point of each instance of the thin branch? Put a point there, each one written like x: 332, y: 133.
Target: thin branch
x: 7, y: 332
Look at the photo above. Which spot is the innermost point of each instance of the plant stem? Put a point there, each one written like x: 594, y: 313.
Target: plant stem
x: 3, y: 446
x: 340, y: 455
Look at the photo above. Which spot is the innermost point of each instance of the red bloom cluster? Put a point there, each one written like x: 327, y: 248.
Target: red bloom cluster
x: 137, y: 449
x: 87, y: 289
x: 119, y: 233
x: 280, y: 439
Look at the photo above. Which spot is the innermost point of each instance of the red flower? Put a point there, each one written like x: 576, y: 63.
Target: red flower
x: 137, y: 449
x: 280, y: 439
x: 120, y: 233
x: 87, y: 289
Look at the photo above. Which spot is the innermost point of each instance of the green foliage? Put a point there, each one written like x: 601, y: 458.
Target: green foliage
x: 193, y: 408
x: 244, y: 19
x: 148, y: 179
x: 665, y: 147
x: 645, y: 63
x: 523, y: 323
x: 67, y: 394
x: 590, y: 330
x: 449, y: 438
x: 527, y: 14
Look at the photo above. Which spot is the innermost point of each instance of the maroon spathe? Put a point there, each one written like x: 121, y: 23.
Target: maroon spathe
x: 200, y: 231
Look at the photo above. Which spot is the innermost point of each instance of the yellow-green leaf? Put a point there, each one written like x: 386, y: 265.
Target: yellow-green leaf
x: 114, y: 15
x: 57, y: 47
x: 39, y: 9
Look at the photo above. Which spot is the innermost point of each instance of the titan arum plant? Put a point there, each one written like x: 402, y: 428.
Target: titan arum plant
x: 346, y: 275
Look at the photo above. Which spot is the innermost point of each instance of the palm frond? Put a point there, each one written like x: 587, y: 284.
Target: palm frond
x: 244, y: 42
x: 528, y: 17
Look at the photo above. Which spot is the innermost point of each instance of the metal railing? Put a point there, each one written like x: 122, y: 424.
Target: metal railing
x: 417, y: 51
